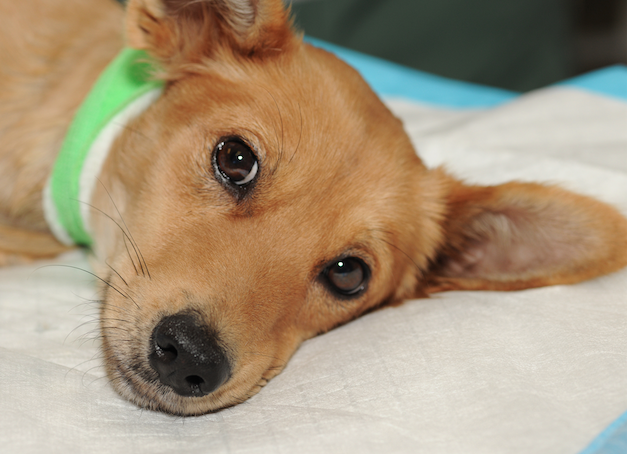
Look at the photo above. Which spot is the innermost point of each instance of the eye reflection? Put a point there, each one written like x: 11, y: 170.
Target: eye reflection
x: 236, y: 161
x: 347, y: 276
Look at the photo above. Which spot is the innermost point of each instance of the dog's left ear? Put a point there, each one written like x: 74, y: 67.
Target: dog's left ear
x: 190, y: 31
x: 523, y: 235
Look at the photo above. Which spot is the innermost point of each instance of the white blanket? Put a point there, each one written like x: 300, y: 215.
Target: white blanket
x: 536, y: 371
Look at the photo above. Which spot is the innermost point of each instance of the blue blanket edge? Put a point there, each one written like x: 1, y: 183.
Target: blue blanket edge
x: 393, y: 80
x: 613, y: 440
x: 610, y: 81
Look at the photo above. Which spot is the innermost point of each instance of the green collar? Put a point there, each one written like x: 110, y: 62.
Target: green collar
x: 122, y: 92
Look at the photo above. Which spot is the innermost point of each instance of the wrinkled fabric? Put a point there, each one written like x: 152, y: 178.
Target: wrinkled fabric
x: 535, y: 371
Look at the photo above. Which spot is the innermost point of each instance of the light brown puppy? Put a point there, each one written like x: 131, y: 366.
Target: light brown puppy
x: 327, y: 214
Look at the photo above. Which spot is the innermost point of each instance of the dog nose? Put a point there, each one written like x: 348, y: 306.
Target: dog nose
x: 187, y: 357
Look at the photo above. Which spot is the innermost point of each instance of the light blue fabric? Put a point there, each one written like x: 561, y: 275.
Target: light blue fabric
x: 611, y: 81
x: 612, y: 440
x: 390, y: 79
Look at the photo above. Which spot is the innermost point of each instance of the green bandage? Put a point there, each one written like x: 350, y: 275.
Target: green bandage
x: 122, y: 91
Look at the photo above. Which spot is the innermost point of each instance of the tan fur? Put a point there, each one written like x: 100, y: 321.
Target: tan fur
x: 338, y: 176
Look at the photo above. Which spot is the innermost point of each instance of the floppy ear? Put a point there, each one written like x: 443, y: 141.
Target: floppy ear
x: 523, y: 235
x: 188, y: 31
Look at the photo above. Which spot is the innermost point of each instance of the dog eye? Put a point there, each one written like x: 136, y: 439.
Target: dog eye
x: 236, y: 162
x: 347, y: 276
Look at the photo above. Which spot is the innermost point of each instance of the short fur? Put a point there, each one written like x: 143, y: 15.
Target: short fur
x: 338, y: 176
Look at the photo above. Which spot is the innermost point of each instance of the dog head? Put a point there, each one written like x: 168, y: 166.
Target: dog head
x: 268, y: 196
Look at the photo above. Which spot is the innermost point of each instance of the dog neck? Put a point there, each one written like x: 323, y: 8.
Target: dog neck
x: 123, y: 91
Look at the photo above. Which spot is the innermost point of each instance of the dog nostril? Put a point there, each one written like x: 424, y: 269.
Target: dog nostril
x: 194, y: 380
x: 187, y: 357
x: 165, y: 350
x: 195, y: 383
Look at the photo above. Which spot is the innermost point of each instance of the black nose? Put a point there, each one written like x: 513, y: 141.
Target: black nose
x: 187, y: 357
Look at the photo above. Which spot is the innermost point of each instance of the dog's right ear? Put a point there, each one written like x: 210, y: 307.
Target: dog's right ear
x: 191, y: 31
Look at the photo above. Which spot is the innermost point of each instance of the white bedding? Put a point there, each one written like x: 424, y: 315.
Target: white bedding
x: 536, y: 371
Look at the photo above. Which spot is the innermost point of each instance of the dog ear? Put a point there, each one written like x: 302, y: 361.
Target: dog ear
x: 189, y: 31
x: 523, y: 235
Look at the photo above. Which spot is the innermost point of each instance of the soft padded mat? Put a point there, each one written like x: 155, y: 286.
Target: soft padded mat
x: 536, y: 371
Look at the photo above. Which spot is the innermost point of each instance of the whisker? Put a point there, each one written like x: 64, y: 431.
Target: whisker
x: 121, y: 229
x: 127, y: 229
x: 93, y: 337
x: 97, y: 277
x: 75, y: 368
x: 113, y: 269
x: 84, y: 302
x: 130, y: 256
x: 79, y: 326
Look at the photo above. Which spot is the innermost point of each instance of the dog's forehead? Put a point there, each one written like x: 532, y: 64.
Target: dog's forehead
x: 310, y: 116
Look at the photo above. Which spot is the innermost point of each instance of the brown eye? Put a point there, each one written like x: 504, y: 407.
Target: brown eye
x: 236, y: 162
x: 347, y: 276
